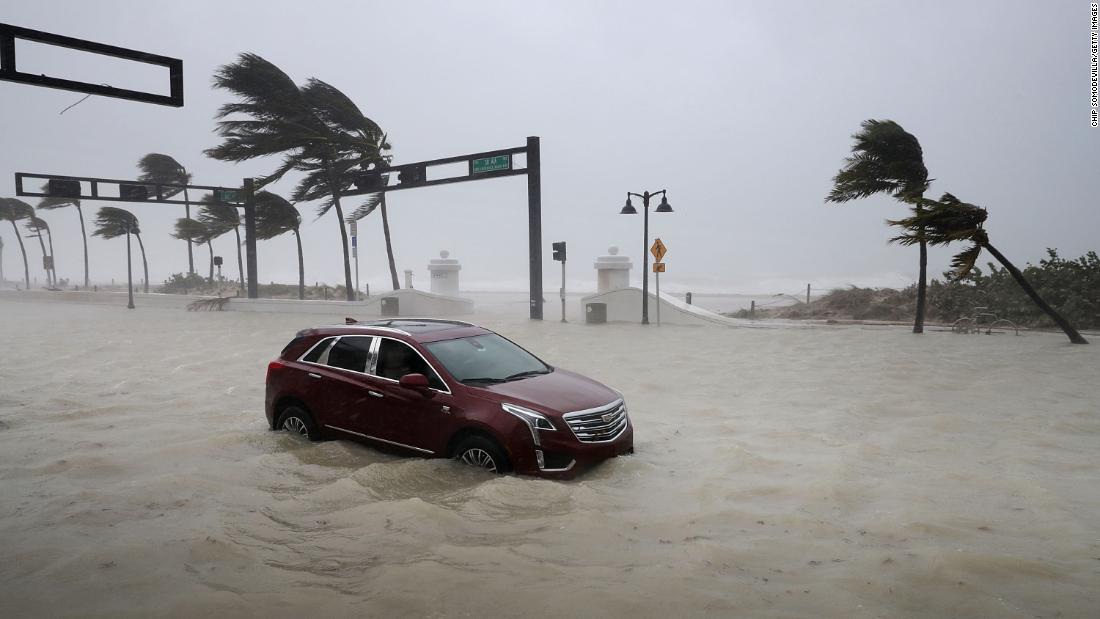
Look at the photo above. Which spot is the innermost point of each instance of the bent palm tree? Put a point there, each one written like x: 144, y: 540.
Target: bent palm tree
x: 950, y: 220
x: 219, y: 219
x: 111, y: 222
x: 37, y: 226
x: 316, y: 129
x: 164, y: 170
x: 50, y: 203
x: 275, y: 216
x: 196, y: 232
x: 14, y: 210
x: 886, y: 159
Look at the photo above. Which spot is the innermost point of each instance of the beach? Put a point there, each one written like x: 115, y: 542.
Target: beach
x: 833, y: 471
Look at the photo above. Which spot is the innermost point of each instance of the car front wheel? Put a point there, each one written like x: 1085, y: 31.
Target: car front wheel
x: 483, y: 453
x: 295, y: 419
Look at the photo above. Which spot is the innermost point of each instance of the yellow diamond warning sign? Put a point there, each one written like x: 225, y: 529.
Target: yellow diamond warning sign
x: 658, y: 250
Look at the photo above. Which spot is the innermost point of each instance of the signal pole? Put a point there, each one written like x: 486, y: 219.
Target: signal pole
x: 559, y: 255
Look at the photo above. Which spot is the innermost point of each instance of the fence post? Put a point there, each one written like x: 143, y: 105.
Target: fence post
x: 752, y: 309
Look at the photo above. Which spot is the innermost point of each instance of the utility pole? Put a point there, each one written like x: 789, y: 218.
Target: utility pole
x: 250, y: 237
x: 807, y: 294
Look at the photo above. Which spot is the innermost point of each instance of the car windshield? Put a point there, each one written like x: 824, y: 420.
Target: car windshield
x: 486, y: 358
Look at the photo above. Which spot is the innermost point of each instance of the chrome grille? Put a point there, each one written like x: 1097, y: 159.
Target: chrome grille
x: 590, y: 426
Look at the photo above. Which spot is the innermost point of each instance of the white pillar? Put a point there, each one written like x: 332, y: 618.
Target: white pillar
x: 612, y: 271
x: 444, y: 274
x: 408, y: 278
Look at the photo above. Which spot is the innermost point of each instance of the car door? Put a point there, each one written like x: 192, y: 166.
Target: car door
x: 409, y: 417
x: 344, y: 399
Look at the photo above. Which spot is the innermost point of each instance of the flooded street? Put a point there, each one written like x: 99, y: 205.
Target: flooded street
x: 786, y: 472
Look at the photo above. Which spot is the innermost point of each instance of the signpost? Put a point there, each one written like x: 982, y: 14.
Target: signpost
x: 559, y: 254
x: 491, y: 164
x: 658, y: 250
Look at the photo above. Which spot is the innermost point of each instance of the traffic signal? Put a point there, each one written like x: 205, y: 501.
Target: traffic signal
x: 369, y: 181
x: 411, y: 175
x: 133, y: 192
x: 61, y: 188
x: 559, y: 251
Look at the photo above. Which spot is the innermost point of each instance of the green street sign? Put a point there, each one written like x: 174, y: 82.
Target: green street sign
x: 492, y: 164
x: 232, y: 196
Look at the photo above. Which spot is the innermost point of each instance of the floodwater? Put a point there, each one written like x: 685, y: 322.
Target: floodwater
x: 828, y: 472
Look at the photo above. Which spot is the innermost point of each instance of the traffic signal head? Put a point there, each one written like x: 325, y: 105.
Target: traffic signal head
x: 411, y: 175
x: 133, y: 192
x: 370, y: 181
x: 61, y: 188
x: 559, y: 251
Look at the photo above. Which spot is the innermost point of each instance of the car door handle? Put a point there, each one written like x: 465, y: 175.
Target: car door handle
x: 375, y: 394
x: 312, y: 375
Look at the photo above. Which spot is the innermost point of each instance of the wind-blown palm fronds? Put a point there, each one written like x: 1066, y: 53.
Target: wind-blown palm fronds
x: 160, y: 169
x: 14, y: 210
x: 316, y: 129
x: 196, y: 232
x: 50, y: 203
x: 887, y: 159
x: 37, y: 226
x: 275, y: 216
x: 951, y: 220
x: 221, y: 218
x: 112, y: 222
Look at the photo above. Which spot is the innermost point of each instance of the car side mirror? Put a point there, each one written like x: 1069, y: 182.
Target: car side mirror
x: 417, y: 382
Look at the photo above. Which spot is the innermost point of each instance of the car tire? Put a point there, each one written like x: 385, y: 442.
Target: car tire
x: 483, y: 453
x: 297, y: 420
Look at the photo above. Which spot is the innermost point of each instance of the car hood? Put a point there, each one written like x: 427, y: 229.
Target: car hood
x: 558, y: 392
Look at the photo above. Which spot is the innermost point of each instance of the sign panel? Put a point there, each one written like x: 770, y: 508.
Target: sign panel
x: 492, y: 164
x: 658, y: 250
x: 231, y: 196
x: 354, y: 228
x: 658, y: 267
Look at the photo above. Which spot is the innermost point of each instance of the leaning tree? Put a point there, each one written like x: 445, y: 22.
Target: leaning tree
x: 112, y: 222
x: 274, y: 216
x: 196, y: 232
x: 886, y: 159
x: 160, y: 169
x: 54, y: 202
x: 37, y: 225
x: 16, y: 210
x: 315, y: 128
x: 950, y: 220
x: 220, y: 218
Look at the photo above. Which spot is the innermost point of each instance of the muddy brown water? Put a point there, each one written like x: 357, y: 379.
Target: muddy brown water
x: 832, y: 472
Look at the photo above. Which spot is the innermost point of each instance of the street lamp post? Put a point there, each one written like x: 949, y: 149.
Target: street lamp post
x: 629, y: 209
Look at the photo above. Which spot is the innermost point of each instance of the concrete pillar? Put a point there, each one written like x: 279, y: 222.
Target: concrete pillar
x: 408, y: 278
x: 444, y: 274
x: 612, y: 271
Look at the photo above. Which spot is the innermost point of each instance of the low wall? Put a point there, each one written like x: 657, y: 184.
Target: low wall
x: 152, y: 299
x: 624, y: 305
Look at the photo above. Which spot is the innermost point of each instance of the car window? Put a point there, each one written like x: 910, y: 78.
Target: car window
x: 396, y: 359
x: 314, y: 355
x: 487, y: 357
x: 350, y: 353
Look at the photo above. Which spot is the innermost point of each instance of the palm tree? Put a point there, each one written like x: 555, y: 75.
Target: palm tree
x: 37, y: 226
x: 219, y: 218
x: 50, y: 203
x: 377, y: 200
x: 315, y: 128
x: 1, y: 259
x: 111, y: 222
x: 164, y: 170
x: 950, y: 220
x: 14, y: 210
x: 275, y: 216
x: 886, y: 159
x: 196, y: 232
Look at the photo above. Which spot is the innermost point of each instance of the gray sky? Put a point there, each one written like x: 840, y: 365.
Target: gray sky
x: 743, y: 111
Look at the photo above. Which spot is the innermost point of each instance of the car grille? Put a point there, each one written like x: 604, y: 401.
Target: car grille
x: 590, y: 426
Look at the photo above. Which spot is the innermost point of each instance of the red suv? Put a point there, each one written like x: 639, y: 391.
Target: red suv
x: 443, y: 388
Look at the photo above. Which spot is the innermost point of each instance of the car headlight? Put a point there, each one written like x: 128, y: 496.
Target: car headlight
x: 535, y: 421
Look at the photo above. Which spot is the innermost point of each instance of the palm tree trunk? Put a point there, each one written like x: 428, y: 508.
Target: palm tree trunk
x: 190, y: 254
x: 240, y: 264
x: 301, y: 268
x: 49, y: 236
x: 83, y: 235
x: 922, y: 282
x: 129, y: 274
x: 389, y: 246
x: 144, y: 263
x: 1070, y: 332
x: 210, y: 246
x: 335, y: 191
x: 43, y: 245
x: 23, y: 249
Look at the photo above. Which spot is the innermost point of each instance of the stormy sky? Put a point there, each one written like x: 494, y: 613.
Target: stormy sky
x: 742, y: 111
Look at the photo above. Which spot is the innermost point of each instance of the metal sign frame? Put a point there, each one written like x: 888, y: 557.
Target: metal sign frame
x: 10, y: 72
